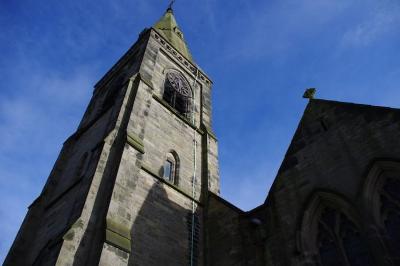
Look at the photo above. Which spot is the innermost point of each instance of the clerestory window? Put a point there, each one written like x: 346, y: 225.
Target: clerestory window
x: 177, y: 93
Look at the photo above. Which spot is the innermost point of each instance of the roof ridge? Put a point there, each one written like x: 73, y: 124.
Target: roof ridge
x: 354, y: 104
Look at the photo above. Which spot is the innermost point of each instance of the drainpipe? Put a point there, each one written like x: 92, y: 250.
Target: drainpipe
x: 194, y: 171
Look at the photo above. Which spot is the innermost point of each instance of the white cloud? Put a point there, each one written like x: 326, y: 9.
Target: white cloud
x: 36, y: 117
x: 43, y: 103
x: 275, y: 28
x: 381, y: 20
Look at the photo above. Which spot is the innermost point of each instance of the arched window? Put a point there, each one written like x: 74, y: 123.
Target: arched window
x: 390, y: 213
x: 382, y: 200
x: 330, y: 234
x: 177, y: 93
x: 339, y: 242
x: 171, y: 169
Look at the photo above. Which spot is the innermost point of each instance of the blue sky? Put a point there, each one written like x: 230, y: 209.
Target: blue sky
x: 261, y: 56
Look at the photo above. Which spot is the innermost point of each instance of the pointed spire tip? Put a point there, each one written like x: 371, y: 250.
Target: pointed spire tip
x: 169, y: 29
x: 169, y: 9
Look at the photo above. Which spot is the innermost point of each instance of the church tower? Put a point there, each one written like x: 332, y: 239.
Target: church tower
x: 129, y: 186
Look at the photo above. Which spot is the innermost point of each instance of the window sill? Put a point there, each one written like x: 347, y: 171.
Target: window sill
x: 172, y: 110
x: 178, y: 189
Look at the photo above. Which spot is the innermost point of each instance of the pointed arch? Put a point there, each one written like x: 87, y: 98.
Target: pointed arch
x: 171, y: 167
x: 331, y: 233
x: 178, y: 92
x: 381, y: 199
x: 375, y: 180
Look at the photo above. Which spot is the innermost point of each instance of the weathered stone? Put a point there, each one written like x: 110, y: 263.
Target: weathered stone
x: 110, y: 199
x: 106, y: 201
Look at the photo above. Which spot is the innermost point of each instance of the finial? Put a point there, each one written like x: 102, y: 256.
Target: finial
x: 170, y: 5
x: 309, y: 93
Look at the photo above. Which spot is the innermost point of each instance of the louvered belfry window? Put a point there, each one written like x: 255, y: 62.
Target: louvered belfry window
x: 177, y: 93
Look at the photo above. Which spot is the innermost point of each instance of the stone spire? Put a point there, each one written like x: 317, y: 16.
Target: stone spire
x: 169, y: 29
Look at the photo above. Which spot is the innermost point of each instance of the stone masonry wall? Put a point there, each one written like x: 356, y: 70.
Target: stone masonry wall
x: 224, y: 240
x: 106, y: 201
x: 332, y: 151
x: 149, y: 219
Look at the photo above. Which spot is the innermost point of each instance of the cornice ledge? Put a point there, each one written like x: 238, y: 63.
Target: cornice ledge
x: 118, y: 235
x: 135, y: 142
x: 208, y: 131
x: 193, y: 68
x: 178, y: 189
x: 184, y: 119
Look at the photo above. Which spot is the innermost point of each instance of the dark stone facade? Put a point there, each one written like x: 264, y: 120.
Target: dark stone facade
x: 334, y: 201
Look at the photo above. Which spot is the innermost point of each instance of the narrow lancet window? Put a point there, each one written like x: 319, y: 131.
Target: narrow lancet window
x: 170, y: 168
x: 168, y: 173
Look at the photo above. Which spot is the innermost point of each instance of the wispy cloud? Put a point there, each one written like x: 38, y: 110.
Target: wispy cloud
x: 35, y: 118
x: 276, y: 28
x: 382, y: 19
x: 37, y: 106
x: 259, y: 53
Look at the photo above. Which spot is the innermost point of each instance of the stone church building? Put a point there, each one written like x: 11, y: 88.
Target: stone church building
x: 138, y: 182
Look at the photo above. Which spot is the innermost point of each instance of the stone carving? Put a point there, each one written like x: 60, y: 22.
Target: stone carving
x: 185, y: 62
x: 179, y: 84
